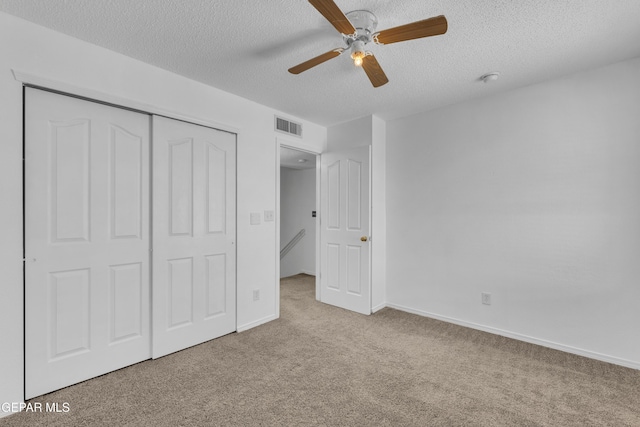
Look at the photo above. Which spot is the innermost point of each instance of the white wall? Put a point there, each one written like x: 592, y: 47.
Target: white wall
x: 297, y: 201
x: 39, y: 51
x: 533, y: 196
x: 356, y: 133
x: 371, y: 131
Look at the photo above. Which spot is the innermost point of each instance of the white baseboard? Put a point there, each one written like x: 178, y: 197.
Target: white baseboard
x: 258, y: 322
x: 378, y: 307
x: 556, y: 346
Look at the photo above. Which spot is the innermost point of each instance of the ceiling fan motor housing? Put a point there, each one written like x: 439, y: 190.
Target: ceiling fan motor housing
x: 365, y: 23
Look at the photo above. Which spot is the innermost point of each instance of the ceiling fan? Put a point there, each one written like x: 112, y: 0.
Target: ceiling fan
x: 358, y: 28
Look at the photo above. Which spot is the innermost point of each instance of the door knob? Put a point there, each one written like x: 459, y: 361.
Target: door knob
x: 363, y: 238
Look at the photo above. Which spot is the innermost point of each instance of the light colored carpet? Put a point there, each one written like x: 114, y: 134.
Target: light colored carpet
x: 320, y: 365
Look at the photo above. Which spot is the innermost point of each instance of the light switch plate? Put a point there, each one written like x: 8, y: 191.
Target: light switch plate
x: 268, y: 216
x: 255, y: 218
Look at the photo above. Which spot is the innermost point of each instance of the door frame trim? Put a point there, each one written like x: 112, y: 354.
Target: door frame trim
x: 71, y: 89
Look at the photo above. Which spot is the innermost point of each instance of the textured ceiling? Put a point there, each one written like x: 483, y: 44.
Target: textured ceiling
x: 246, y: 46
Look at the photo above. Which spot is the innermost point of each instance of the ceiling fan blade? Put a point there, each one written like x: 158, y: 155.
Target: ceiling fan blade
x: 416, y: 30
x: 333, y: 14
x: 374, y: 71
x: 316, y: 61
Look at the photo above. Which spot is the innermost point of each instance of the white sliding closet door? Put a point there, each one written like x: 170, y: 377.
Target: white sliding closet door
x: 194, y: 255
x: 86, y: 240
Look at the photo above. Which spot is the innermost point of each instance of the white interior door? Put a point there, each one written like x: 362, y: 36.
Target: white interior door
x: 194, y: 228
x: 345, y: 258
x: 86, y: 240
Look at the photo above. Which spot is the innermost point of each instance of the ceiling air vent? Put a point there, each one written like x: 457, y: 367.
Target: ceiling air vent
x: 286, y: 126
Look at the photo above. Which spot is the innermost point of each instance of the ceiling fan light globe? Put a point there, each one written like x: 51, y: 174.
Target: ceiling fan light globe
x: 358, y: 53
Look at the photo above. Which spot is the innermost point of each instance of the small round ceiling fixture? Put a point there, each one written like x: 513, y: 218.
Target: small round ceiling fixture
x: 302, y: 160
x: 490, y: 77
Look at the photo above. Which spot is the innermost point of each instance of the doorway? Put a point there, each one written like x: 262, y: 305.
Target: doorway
x: 297, y: 211
x: 340, y: 218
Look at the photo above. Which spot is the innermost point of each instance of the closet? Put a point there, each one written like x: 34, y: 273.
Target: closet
x: 129, y: 237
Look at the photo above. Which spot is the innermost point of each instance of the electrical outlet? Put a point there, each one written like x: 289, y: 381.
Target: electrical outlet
x: 256, y: 294
x: 486, y: 298
x: 268, y: 216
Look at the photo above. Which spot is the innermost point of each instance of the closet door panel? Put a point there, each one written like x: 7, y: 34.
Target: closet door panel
x: 87, y: 240
x: 194, y: 257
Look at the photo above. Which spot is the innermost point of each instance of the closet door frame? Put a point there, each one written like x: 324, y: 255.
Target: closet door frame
x: 30, y: 80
